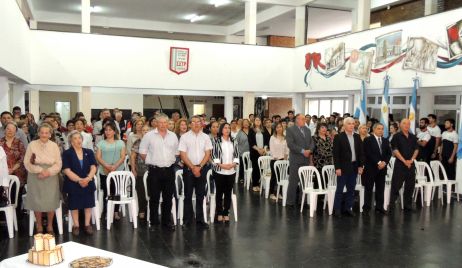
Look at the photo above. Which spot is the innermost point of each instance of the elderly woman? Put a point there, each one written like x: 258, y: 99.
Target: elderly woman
x: 15, y: 151
x: 79, y: 166
x: 135, y: 134
x: 138, y: 169
x: 110, y: 156
x: 43, y: 162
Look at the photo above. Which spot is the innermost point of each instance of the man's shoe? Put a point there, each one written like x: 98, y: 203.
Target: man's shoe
x: 381, y: 211
x: 202, y: 225
x: 168, y: 227
x: 409, y: 209
x: 350, y: 213
x: 337, y: 214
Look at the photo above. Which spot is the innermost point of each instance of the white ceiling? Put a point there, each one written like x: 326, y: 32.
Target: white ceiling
x: 169, y: 15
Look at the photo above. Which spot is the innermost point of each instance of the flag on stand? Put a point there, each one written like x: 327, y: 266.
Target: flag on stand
x: 413, y: 105
x: 362, y: 104
x: 384, y: 108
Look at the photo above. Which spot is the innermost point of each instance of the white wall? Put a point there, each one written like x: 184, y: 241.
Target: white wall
x: 113, y: 61
x: 15, y: 41
x: 117, y: 100
x: 432, y: 27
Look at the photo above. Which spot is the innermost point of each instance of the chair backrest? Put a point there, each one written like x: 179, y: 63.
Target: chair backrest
x: 126, y: 162
x: 246, y: 160
x: 96, y: 181
x: 438, y: 167
x: 179, y: 182
x: 264, y: 165
x: 145, y: 183
x: 390, y: 167
x: 329, y: 176
x: 123, y: 181
x: 307, y: 175
x: 281, y: 168
x: 13, y: 180
x: 420, y: 168
x: 209, y: 182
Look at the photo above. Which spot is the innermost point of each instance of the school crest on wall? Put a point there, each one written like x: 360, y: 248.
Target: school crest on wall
x: 179, y: 60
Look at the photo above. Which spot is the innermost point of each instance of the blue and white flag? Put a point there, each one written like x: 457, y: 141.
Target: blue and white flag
x: 413, y: 105
x: 459, y: 150
x: 384, y: 108
x: 362, y: 104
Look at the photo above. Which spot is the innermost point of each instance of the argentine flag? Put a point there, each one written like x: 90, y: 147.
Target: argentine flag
x: 413, y: 105
x: 362, y: 104
x: 459, y: 150
x: 384, y: 108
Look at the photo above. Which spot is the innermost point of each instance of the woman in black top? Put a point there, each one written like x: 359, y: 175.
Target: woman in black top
x: 257, y: 148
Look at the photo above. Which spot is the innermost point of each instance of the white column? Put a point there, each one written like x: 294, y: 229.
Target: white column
x: 5, y: 104
x: 426, y: 103
x: 34, y: 103
x: 300, y: 30
x: 351, y: 104
x: 229, y: 104
x: 298, y: 103
x: 85, y: 102
x: 362, y: 16
x: 19, y: 97
x: 251, y: 22
x: 431, y: 7
x: 86, y: 12
x: 248, y: 104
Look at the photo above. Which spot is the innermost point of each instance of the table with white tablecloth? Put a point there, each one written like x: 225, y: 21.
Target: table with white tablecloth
x: 73, y: 251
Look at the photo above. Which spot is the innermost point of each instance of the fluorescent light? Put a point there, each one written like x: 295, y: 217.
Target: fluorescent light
x: 194, y: 17
x: 94, y: 9
x: 264, y: 97
x: 218, y: 3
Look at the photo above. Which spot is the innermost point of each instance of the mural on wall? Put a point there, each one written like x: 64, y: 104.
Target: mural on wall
x: 335, y: 58
x: 360, y: 65
x: 388, y: 48
x: 454, y: 33
x: 421, y: 55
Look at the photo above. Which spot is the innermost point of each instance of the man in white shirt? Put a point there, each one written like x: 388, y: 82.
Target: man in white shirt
x: 159, y: 149
x: 435, y: 132
x: 423, y: 139
x: 195, y: 150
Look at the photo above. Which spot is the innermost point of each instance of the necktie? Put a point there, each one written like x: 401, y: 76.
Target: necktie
x: 303, y: 133
x: 380, y: 145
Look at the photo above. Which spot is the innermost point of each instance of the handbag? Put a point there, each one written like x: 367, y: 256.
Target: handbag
x: 4, y: 201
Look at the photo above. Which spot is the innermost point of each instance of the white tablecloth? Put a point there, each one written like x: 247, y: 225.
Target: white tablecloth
x: 74, y: 251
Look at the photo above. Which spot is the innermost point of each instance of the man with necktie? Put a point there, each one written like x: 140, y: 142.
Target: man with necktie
x: 301, y: 147
x: 378, y: 153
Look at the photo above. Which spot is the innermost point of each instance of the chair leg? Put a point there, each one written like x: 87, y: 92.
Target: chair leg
x: 312, y: 204
x: 31, y: 222
x: 285, y: 186
x: 108, y: 215
x: 303, y: 202
x: 15, y: 218
x: 427, y: 195
x: 330, y: 201
x: 10, y: 221
x: 70, y: 222
x: 386, y: 197
x: 133, y: 208
x: 361, y: 200
x: 148, y: 211
x: 448, y: 193
x: 213, y: 207
x: 402, y: 198
x: 174, y: 210
x: 59, y: 218
x: 234, y: 200
x: 204, y: 208
x: 95, y: 213
x: 181, y: 210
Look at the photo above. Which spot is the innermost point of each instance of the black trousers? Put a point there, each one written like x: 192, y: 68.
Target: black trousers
x: 107, y: 192
x: 376, y: 177
x: 255, y: 170
x: 161, y: 180
x: 402, y: 174
x: 198, y: 184
x: 224, y: 187
x: 241, y: 168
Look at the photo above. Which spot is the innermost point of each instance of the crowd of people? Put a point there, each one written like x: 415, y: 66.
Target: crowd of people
x: 59, y: 161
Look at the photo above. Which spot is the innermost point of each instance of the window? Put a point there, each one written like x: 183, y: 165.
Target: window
x: 399, y: 114
x: 338, y: 106
x: 313, y: 106
x: 446, y: 99
x: 199, y: 109
x: 324, y: 107
x: 442, y: 115
x: 64, y: 109
x: 370, y: 100
x: 399, y: 100
x: 376, y: 113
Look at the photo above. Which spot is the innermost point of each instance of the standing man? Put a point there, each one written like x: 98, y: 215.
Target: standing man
x: 378, y: 152
x: 405, y: 149
x: 98, y: 126
x: 435, y: 132
x: 423, y: 140
x: 301, y: 147
x: 195, y: 150
x: 348, y: 162
x: 175, y: 116
x: 158, y: 149
x: 449, y: 145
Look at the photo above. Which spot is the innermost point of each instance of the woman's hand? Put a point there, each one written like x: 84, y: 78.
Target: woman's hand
x: 44, y: 174
x: 84, y: 182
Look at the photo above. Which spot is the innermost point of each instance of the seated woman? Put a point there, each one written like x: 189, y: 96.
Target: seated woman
x: 43, y: 162
x: 79, y: 165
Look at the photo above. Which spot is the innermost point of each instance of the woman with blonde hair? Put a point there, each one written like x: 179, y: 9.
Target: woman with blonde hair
x: 181, y: 127
x: 43, y: 162
x: 363, y: 132
x: 135, y: 134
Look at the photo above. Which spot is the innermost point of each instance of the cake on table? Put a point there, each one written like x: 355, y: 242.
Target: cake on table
x: 45, y: 251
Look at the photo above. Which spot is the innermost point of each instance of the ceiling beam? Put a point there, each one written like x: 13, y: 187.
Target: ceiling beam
x: 290, y: 3
x: 334, y: 4
x: 262, y: 16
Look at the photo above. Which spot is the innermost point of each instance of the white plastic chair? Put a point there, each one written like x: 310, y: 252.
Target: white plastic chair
x: 330, y: 180
x: 126, y: 163
x: 247, y: 170
x: 180, y: 194
x: 211, y: 195
x: 10, y: 210
x: 95, y: 212
x: 58, y: 216
x: 307, y: 175
x: 265, y: 174
x: 438, y: 167
x: 122, y: 181
x: 99, y: 193
x: 387, y: 191
x: 423, y: 183
x: 148, y: 198
x: 281, y: 167
x: 360, y: 188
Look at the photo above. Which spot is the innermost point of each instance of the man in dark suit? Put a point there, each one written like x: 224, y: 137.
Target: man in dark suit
x: 301, y: 147
x: 348, y: 162
x: 377, y: 153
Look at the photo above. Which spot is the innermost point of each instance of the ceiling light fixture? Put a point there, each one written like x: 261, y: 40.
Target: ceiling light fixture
x: 218, y: 3
x: 194, y: 17
x: 94, y: 9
